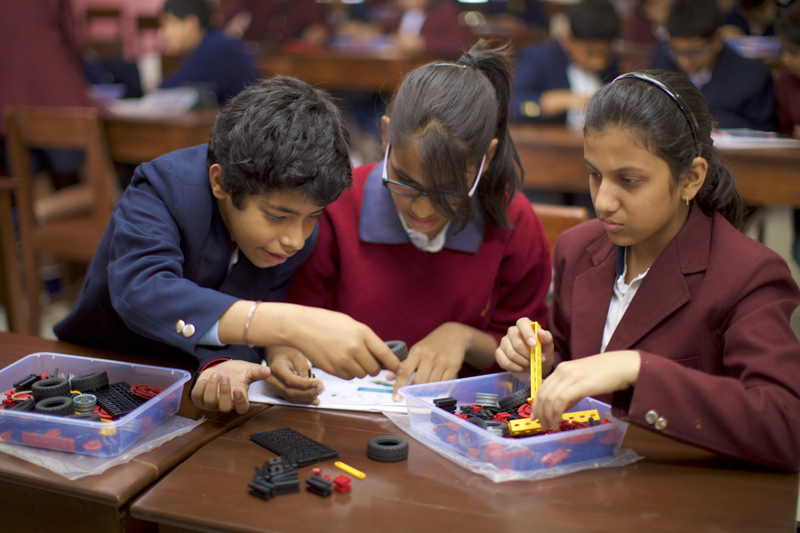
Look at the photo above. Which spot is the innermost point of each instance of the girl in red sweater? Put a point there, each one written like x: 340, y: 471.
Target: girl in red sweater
x: 434, y: 245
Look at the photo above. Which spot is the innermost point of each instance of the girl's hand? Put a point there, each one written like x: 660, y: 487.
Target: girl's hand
x: 224, y: 387
x: 590, y: 376
x: 514, y: 353
x: 290, y: 376
x: 437, y: 357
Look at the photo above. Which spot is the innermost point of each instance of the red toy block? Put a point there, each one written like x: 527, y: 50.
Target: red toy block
x: 553, y: 458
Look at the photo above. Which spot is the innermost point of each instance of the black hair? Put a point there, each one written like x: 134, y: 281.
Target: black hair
x: 788, y: 25
x: 594, y: 20
x: 450, y: 112
x: 183, y: 8
x: 694, y: 19
x: 651, y: 116
x: 282, y: 134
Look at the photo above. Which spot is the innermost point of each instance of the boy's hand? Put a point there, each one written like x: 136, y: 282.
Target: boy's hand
x: 437, y: 357
x: 514, y: 353
x: 224, y: 387
x: 574, y: 380
x: 290, y: 377
x: 342, y: 346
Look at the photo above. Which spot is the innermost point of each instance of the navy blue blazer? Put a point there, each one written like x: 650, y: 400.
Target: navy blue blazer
x: 162, y: 267
x: 219, y: 62
x: 543, y: 68
x: 740, y: 93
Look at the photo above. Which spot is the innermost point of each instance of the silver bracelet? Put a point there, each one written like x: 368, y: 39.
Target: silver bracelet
x: 247, y: 324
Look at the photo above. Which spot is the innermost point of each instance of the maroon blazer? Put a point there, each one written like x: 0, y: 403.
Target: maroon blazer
x: 720, y: 362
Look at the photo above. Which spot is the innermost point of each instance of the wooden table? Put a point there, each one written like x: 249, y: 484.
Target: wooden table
x: 135, y: 140
x: 553, y: 159
x: 674, y: 488
x: 36, y: 499
x: 332, y: 70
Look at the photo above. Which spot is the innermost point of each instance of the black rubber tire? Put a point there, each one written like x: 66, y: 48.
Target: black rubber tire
x: 57, y: 406
x: 387, y: 449
x: 90, y: 381
x: 48, y: 388
x: 399, y: 348
x: 513, y: 401
x: 85, y: 416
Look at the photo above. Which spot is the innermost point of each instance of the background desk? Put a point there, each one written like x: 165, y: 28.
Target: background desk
x: 675, y: 488
x: 332, y: 70
x: 553, y: 159
x: 36, y: 499
x: 136, y: 140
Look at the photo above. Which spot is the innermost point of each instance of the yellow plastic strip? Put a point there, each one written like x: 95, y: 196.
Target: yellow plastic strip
x: 536, y: 362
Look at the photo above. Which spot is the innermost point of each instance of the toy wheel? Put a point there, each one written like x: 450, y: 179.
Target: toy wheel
x: 57, y: 405
x: 48, y: 388
x: 387, y: 449
x: 512, y: 401
x: 90, y: 381
x: 399, y: 348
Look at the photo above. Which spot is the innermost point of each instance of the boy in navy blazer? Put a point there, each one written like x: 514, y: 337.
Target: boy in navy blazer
x: 202, y: 245
x: 738, y: 90
x: 554, y: 80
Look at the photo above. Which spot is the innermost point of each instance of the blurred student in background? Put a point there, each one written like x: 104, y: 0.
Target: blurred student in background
x: 647, y: 22
x: 751, y: 17
x: 738, y: 91
x: 213, y: 60
x: 553, y: 81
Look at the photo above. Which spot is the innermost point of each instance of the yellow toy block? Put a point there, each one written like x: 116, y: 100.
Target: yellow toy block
x: 526, y: 426
x: 536, y: 362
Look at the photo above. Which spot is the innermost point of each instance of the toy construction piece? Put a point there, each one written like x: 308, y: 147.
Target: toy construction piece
x: 536, y: 362
x: 526, y: 426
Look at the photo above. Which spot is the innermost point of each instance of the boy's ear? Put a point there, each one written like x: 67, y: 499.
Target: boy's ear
x: 217, y: 180
x: 695, y: 178
x: 384, y: 127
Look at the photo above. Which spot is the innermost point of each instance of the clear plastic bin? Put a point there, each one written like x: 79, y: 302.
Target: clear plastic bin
x: 520, y: 454
x: 104, y: 439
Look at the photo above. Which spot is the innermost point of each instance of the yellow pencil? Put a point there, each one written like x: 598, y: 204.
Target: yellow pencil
x: 536, y: 362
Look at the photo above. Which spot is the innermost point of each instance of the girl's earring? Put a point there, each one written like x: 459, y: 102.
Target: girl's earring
x: 687, y: 200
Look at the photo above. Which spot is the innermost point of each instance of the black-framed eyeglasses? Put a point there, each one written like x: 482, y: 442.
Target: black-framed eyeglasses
x: 414, y: 192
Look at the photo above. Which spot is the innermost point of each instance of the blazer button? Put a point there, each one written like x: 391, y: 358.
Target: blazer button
x: 651, y: 417
x: 179, y: 325
x: 661, y: 423
x: 188, y: 330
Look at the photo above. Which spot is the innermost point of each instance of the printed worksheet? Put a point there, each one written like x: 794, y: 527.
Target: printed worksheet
x: 372, y: 394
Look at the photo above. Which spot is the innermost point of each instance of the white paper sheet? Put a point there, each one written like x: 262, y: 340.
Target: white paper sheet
x: 370, y: 394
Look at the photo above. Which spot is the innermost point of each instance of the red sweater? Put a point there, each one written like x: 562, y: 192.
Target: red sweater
x: 403, y: 293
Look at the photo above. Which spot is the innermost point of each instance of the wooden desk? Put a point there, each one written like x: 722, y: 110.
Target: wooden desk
x: 675, y: 488
x: 36, y: 499
x: 331, y: 70
x: 136, y: 140
x: 553, y: 159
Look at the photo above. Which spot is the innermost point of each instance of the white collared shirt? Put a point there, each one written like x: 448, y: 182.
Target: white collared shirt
x: 620, y: 300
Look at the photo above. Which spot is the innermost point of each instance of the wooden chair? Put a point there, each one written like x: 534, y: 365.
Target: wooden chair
x: 75, y: 238
x: 558, y: 218
x: 10, y: 272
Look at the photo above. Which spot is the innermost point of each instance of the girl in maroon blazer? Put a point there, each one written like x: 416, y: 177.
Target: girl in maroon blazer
x: 662, y: 307
x: 434, y: 245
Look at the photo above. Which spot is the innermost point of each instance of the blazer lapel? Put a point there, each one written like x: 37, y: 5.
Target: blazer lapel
x: 664, y: 288
x: 591, y: 295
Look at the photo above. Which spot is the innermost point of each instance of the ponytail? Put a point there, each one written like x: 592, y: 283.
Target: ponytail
x: 450, y: 112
